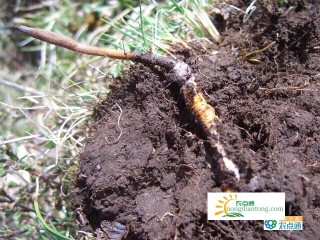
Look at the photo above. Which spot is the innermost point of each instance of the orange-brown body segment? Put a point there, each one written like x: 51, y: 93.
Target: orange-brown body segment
x: 199, y: 107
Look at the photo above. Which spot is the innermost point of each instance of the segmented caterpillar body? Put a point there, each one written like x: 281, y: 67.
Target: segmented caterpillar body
x: 202, y: 111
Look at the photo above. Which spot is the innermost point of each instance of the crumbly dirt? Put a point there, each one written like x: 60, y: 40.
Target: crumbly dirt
x: 146, y: 171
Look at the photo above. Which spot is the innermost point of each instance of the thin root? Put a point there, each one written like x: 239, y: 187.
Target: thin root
x: 250, y: 56
x: 166, y: 214
x: 120, y: 129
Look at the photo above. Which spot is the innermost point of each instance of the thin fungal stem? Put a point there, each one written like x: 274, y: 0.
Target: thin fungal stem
x: 66, y: 42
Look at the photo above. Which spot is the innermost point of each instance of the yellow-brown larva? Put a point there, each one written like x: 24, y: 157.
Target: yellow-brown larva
x: 199, y: 107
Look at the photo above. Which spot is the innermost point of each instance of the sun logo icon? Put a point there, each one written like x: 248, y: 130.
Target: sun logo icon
x: 223, y: 208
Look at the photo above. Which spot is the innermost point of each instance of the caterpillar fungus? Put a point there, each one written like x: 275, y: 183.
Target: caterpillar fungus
x: 195, y: 101
x: 197, y: 104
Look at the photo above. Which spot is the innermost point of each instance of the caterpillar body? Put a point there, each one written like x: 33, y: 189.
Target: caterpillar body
x: 202, y: 111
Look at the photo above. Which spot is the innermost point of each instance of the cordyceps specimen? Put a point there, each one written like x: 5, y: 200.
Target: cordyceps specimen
x: 195, y: 101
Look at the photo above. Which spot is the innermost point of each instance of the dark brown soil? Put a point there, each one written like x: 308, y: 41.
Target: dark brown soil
x: 146, y: 171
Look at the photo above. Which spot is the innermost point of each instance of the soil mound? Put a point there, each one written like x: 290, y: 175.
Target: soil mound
x: 146, y: 171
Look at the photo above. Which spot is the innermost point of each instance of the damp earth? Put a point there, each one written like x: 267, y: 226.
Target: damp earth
x: 147, y: 167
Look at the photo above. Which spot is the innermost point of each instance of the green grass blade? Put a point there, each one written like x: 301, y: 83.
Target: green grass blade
x: 141, y: 25
x: 54, y: 233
